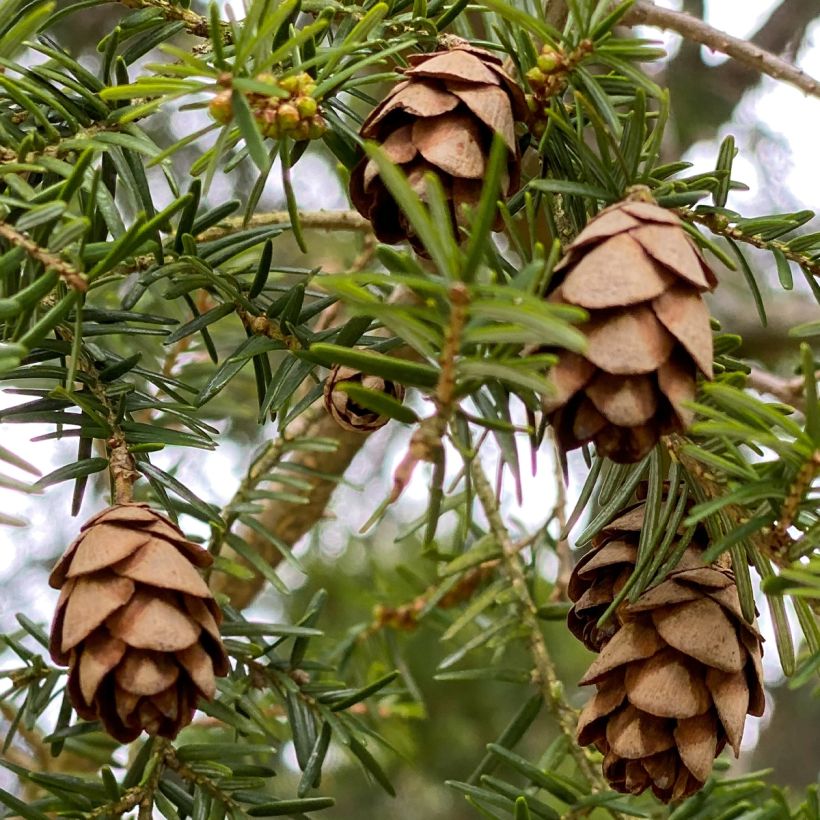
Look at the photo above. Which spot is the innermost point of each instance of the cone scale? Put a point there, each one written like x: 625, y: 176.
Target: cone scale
x: 136, y: 624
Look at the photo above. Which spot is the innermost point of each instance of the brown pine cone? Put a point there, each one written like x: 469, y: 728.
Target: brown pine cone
x: 136, y: 623
x: 601, y: 574
x: 640, y: 277
x: 674, y: 685
x: 442, y: 119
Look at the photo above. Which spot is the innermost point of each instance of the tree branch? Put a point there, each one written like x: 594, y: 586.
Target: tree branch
x: 312, y: 220
x: 546, y: 675
x: 722, y: 226
x: 719, y: 88
x: 745, y: 52
x: 72, y: 277
x: 789, y: 391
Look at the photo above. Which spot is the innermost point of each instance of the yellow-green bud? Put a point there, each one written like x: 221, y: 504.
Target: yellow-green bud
x: 548, y: 61
x: 290, y: 84
x: 306, y: 106
x: 268, y: 125
x: 221, y: 107
x: 536, y: 77
x: 316, y: 128
x: 300, y: 131
x: 287, y: 115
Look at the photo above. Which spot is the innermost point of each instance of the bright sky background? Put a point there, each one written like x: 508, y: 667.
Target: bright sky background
x: 788, y: 115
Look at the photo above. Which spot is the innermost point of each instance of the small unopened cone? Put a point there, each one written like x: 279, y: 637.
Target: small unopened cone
x: 345, y: 411
x: 136, y: 624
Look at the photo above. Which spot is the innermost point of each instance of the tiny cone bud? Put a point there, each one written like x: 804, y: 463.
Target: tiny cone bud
x: 287, y: 116
x: 548, y: 61
x: 291, y: 83
x: 536, y: 76
x: 136, y: 624
x: 344, y: 410
x: 306, y: 106
x: 301, y: 131
x: 440, y: 119
x: 316, y: 127
x: 268, y: 123
x: 221, y: 107
x: 641, y: 279
x: 678, y: 670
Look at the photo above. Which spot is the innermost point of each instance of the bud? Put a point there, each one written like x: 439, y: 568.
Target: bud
x: 221, y: 107
x: 316, y: 128
x: 291, y: 84
x: 548, y: 61
x: 536, y: 77
x: 267, y: 122
x: 287, y: 116
x: 306, y: 106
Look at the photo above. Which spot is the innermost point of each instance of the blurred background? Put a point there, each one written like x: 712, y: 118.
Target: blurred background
x: 442, y: 734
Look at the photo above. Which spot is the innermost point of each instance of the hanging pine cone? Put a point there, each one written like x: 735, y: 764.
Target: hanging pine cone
x: 442, y: 119
x: 345, y: 411
x: 641, y: 279
x: 676, y: 675
x: 136, y: 623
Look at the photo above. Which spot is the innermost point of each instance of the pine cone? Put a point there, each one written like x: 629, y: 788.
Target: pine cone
x: 136, y: 624
x: 344, y: 410
x: 601, y: 574
x: 674, y: 683
x: 640, y: 277
x: 442, y: 119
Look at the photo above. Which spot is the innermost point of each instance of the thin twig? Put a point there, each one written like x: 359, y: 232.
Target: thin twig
x: 780, y: 541
x: 644, y: 12
x: 546, y: 675
x: 198, y: 779
x: 788, y: 390
x: 66, y: 144
x: 316, y: 220
x: 121, y: 465
x: 72, y: 277
x: 721, y: 225
x: 142, y: 796
x: 195, y: 23
x: 426, y: 442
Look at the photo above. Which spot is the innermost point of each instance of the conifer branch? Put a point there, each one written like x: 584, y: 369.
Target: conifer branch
x: 62, y: 146
x: 195, y: 23
x: 70, y: 275
x: 722, y: 226
x: 143, y: 795
x: 312, y: 220
x: 546, y: 675
x: 645, y: 12
x: 788, y: 390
